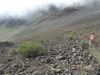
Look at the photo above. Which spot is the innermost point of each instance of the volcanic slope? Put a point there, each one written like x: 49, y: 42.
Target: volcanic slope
x: 52, y: 33
x: 85, y: 20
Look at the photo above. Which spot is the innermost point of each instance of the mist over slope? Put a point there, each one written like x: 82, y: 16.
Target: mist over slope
x: 35, y: 17
x: 35, y: 23
x: 50, y: 11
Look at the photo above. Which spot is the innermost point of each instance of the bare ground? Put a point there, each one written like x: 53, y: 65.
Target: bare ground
x: 96, y: 53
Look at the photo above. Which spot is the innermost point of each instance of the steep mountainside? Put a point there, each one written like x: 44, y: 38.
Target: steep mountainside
x: 74, y: 17
x: 63, y: 55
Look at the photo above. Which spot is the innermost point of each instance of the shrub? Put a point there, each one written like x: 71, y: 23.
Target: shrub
x: 30, y: 49
x: 70, y: 36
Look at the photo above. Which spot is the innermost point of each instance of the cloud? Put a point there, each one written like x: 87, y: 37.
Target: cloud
x: 20, y: 7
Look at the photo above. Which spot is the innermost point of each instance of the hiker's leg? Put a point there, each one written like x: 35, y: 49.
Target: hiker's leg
x: 90, y: 43
x: 94, y: 43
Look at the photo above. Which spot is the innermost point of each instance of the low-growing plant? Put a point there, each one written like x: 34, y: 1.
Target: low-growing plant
x: 41, y: 40
x: 70, y: 36
x: 30, y: 49
x: 12, y: 52
x: 51, y: 42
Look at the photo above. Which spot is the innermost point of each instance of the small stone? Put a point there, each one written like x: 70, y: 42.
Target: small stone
x: 27, y: 59
x: 53, y: 69
x: 58, y: 71
x: 73, y: 67
x: 80, y: 57
x: 55, y: 65
x: 74, y: 54
x: 36, y: 73
x: 73, y: 50
x: 48, y: 60
x: 21, y: 73
x: 67, y: 70
x: 15, y: 65
x: 60, y: 57
x: 90, y: 55
x: 52, y: 73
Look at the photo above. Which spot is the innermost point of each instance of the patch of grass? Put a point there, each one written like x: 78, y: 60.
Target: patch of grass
x: 30, y: 49
x: 41, y: 40
x: 74, y: 33
x: 70, y: 36
x: 88, y: 29
x: 51, y: 42
x: 2, y: 29
x: 12, y: 52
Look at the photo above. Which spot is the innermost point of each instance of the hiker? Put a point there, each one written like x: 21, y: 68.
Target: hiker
x: 92, y: 39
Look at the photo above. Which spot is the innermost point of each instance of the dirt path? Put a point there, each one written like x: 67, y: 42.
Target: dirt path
x: 95, y: 52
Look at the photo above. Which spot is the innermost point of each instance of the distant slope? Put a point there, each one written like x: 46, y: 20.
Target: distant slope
x: 36, y: 18
x: 78, y: 17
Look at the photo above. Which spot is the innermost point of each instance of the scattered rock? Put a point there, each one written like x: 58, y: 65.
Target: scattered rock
x: 58, y: 70
x: 63, y: 58
x: 36, y: 73
x: 6, y: 43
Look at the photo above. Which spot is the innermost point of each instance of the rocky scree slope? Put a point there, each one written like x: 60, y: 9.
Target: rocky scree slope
x: 65, y: 57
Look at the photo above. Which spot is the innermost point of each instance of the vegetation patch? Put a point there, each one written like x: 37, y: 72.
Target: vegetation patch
x: 41, y: 40
x: 12, y: 52
x: 70, y: 36
x: 30, y: 49
x: 2, y: 29
x: 51, y: 42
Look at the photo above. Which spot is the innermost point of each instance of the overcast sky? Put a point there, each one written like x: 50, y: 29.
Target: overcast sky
x: 20, y: 6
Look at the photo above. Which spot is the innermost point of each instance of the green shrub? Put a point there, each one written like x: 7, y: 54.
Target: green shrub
x: 70, y: 36
x: 30, y: 49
